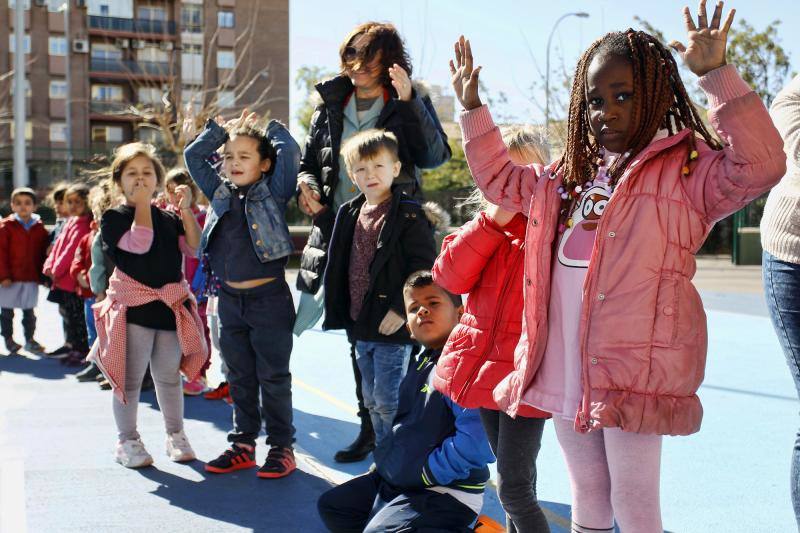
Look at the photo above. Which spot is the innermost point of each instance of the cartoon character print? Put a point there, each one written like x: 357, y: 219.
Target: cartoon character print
x: 575, y: 248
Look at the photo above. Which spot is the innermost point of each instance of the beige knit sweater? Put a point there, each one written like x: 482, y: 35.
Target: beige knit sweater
x: 780, y: 225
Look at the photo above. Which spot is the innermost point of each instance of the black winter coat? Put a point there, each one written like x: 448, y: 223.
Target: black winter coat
x: 405, y: 245
x: 422, y: 144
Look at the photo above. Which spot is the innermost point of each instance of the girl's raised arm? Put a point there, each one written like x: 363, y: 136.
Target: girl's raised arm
x: 503, y: 183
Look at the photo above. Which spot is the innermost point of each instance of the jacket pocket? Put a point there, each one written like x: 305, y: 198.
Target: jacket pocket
x: 665, y: 324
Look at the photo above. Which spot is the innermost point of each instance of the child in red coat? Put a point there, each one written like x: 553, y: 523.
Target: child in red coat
x: 23, y: 248
x: 57, y: 267
x: 484, y: 258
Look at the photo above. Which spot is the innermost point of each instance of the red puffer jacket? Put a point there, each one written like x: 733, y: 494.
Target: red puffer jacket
x: 22, y: 253
x: 82, y: 262
x: 486, y: 261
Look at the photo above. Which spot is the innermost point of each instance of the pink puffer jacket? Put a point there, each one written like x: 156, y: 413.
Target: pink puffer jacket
x: 643, y: 328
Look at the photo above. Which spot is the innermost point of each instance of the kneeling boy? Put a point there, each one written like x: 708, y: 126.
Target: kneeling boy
x: 431, y: 469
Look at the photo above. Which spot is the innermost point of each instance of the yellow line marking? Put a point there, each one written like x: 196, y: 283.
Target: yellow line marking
x: 325, y: 396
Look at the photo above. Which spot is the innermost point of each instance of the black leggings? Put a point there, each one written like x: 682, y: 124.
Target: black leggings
x: 516, y: 442
x: 7, y: 323
x: 74, y: 320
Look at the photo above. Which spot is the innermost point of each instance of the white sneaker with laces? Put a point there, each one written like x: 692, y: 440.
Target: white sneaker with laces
x: 132, y: 454
x: 178, y: 447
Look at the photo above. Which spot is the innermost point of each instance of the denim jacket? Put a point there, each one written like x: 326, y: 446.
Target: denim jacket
x: 266, y: 200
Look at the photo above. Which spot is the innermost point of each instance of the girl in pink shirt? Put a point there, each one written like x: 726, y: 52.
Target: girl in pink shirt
x: 613, y: 336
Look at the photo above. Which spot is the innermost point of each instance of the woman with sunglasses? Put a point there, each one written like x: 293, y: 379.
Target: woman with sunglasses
x: 374, y: 90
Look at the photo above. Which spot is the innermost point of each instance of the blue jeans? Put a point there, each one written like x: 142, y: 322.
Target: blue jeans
x: 91, y: 330
x: 782, y: 290
x: 382, y: 367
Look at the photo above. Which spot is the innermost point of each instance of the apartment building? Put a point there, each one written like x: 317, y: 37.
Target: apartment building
x: 133, y: 65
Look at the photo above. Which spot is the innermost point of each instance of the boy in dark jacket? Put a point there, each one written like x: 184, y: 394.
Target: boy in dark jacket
x: 23, y: 249
x: 431, y: 470
x: 379, y: 238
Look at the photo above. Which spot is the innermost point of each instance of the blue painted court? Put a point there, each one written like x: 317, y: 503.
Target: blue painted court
x: 56, y: 438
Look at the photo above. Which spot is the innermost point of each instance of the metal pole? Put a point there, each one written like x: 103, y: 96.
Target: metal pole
x: 20, y: 167
x: 547, y: 66
x: 68, y: 107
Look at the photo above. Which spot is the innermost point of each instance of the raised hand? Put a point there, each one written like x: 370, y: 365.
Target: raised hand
x: 189, y: 127
x: 463, y: 77
x: 401, y: 82
x: 246, y: 119
x: 706, y: 43
x: 184, y: 195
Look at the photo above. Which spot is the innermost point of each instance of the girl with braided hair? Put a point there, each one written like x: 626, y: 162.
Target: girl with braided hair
x: 613, y: 332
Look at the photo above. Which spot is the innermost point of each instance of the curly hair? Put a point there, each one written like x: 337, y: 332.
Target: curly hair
x: 660, y: 101
x: 382, y: 41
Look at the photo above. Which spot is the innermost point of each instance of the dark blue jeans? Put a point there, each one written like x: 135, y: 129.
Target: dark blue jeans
x: 368, y: 504
x: 256, y: 343
x: 782, y: 290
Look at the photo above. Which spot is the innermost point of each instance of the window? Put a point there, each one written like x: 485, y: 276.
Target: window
x: 13, y: 3
x: 28, y: 130
x: 107, y: 134
x: 107, y: 93
x: 54, y: 6
x: 149, y: 135
x: 152, y: 13
x: 106, y: 51
x: 27, y: 87
x: 58, y: 89
x: 12, y: 45
x: 225, y: 19
x: 58, y: 132
x: 153, y: 54
x: 104, y: 10
x: 57, y: 46
x: 226, y: 99
x: 192, y: 18
x: 225, y: 59
x: 149, y: 95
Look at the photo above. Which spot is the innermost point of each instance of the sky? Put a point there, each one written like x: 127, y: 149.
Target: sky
x: 509, y: 38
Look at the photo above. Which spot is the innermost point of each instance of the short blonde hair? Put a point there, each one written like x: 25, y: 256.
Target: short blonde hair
x: 367, y: 145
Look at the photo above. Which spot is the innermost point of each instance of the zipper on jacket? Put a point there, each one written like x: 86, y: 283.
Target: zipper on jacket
x: 492, y: 332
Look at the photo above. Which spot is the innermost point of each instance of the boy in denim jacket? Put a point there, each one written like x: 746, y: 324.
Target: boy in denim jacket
x: 247, y: 242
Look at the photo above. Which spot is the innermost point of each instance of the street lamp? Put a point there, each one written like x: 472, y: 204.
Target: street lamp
x: 580, y: 14
x: 68, y: 107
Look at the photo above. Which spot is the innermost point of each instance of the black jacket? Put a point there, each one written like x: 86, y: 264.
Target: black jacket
x: 405, y: 245
x: 422, y: 144
x: 434, y: 441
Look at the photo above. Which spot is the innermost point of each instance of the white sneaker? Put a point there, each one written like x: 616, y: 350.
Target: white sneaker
x: 178, y: 447
x: 131, y: 454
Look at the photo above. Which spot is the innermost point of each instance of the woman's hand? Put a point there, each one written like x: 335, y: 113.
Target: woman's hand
x: 401, y: 82
x: 308, y: 201
x: 391, y: 323
x: 184, y: 195
x: 463, y: 77
x: 706, y: 43
x: 189, y: 128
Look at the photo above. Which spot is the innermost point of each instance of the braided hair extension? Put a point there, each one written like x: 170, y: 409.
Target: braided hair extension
x: 660, y: 101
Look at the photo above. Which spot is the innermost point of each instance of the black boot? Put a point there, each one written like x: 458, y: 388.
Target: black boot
x: 361, y: 447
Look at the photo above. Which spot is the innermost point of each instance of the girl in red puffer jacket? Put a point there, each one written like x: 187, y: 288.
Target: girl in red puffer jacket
x: 484, y: 258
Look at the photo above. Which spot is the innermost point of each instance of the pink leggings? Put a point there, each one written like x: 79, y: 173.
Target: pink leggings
x: 614, y: 474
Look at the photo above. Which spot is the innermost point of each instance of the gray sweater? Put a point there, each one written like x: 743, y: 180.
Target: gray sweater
x: 780, y: 225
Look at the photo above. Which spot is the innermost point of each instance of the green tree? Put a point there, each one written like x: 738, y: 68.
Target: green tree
x: 305, y: 80
x: 450, y: 176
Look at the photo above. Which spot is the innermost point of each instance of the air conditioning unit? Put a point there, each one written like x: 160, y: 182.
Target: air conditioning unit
x: 123, y: 43
x: 166, y: 45
x: 138, y: 43
x: 80, y: 46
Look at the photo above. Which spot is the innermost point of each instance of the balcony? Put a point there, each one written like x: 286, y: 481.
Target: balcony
x: 130, y: 27
x: 101, y: 107
x: 127, y: 68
